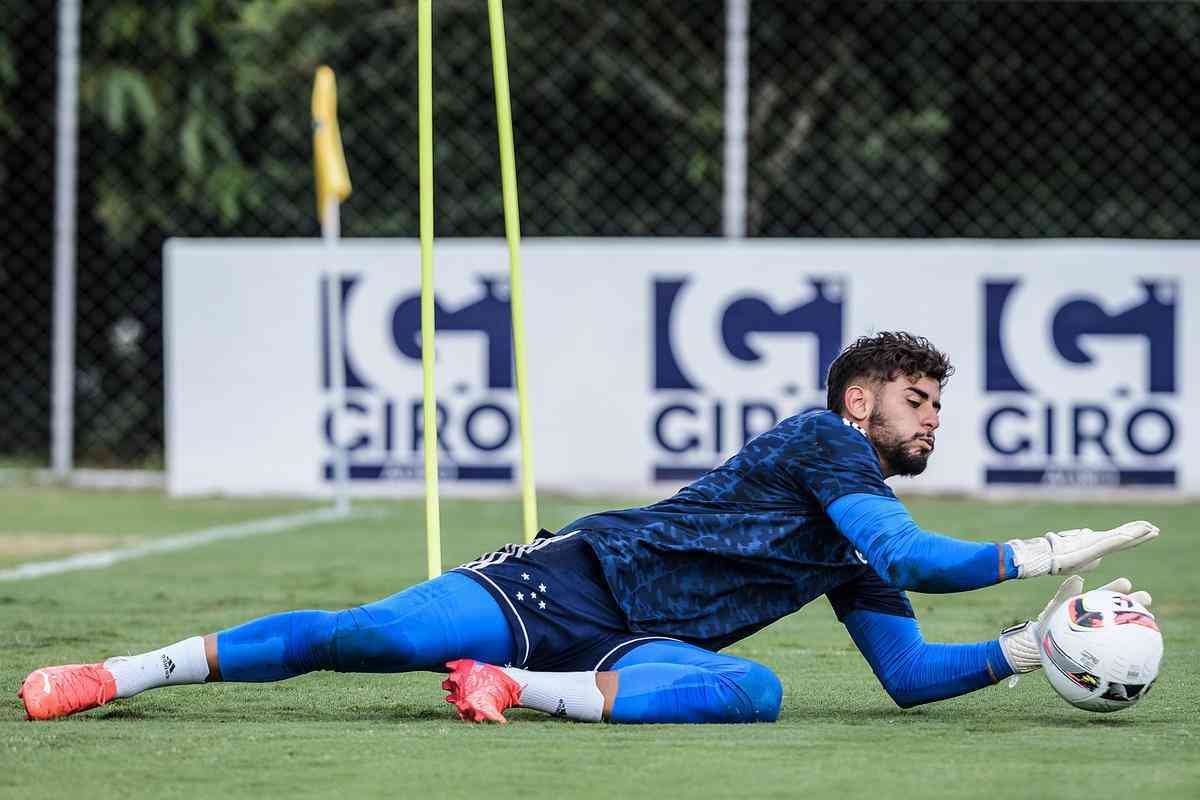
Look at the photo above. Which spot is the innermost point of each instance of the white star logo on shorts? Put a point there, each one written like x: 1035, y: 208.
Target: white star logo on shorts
x: 524, y: 576
x: 541, y: 587
x: 533, y: 595
x: 520, y: 596
x: 542, y: 604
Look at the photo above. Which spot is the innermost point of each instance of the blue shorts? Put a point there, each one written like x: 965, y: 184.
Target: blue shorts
x: 562, y: 614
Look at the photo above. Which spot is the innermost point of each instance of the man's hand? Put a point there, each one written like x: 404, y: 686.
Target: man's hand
x: 1076, y: 550
x: 1020, y: 642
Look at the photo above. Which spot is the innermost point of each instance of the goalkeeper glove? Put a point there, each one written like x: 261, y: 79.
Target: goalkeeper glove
x: 1020, y: 642
x: 1077, y: 550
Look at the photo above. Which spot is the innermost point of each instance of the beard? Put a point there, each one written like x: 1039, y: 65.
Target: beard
x: 902, y: 454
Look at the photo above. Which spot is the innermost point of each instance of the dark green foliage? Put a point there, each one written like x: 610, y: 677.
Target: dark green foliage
x: 992, y: 120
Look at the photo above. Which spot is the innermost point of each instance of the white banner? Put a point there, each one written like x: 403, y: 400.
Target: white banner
x: 653, y: 360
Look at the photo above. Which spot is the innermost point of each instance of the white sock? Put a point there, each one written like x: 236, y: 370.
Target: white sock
x: 175, y: 664
x: 563, y: 694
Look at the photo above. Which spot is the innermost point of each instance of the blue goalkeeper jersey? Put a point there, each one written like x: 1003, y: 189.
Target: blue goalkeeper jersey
x: 747, y: 543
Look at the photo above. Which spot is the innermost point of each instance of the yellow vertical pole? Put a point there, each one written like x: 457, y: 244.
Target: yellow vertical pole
x: 512, y: 232
x: 433, y: 532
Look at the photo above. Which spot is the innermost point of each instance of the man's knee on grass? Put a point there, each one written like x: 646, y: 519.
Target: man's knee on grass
x: 764, y: 692
x: 750, y: 692
x: 738, y: 691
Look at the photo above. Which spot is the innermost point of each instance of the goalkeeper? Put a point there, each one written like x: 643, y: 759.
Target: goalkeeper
x: 623, y: 614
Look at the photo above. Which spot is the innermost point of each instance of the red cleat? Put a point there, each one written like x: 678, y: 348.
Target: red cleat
x: 480, y: 691
x: 54, y: 692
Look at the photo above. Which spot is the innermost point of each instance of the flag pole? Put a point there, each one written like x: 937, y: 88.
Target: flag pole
x: 333, y: 186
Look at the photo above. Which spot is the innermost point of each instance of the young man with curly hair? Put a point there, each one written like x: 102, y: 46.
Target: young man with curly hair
x: 621, y: 616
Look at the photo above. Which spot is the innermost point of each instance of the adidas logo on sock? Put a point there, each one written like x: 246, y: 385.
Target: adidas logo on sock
x: 561, y: 711
x: 168, y: 666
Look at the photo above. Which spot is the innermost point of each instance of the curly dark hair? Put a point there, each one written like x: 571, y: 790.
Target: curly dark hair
x: 882, y: 357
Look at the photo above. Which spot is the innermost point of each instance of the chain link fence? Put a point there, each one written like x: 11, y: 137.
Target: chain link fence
x: 917, y: 119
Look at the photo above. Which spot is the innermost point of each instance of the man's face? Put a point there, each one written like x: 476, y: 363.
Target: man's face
x: 902, y: 424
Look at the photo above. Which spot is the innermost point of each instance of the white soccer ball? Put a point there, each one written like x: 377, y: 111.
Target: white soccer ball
x: 1101, y: 650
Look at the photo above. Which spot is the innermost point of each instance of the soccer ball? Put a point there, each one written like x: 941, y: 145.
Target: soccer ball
x: 1101, y: 650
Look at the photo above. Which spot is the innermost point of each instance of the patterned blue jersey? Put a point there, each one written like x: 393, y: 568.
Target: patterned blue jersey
x: 745, y: 544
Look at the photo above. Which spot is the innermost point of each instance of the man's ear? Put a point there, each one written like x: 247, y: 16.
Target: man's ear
x: 859, y: 402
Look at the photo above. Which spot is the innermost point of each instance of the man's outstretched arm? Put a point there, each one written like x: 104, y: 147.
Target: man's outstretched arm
x: 911, y: 558
x: 914, y: 671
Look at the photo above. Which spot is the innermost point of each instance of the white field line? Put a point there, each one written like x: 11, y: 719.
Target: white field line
x: 183, y: 541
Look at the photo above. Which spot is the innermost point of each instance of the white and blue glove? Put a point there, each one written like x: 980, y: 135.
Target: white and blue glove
x: 1020, y: 642
x: 1076, y: 550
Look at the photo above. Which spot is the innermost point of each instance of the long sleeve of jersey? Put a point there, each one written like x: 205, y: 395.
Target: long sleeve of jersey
x: 910, y: 558
x: 914, y: 671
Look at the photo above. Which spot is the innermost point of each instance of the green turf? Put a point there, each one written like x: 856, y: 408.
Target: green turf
x: 839, y: 734
x: 91, y: 520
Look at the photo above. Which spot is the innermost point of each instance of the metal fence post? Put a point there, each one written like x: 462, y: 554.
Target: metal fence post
x: 63, y: 391
x: 737, y: 16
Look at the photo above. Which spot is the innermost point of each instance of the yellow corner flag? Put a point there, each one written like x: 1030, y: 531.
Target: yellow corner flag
x: 329, y: 162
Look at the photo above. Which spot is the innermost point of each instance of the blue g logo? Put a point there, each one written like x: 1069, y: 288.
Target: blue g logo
x: 1071, y: 416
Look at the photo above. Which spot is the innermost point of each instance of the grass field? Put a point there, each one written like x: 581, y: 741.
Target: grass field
x: 366, y: 736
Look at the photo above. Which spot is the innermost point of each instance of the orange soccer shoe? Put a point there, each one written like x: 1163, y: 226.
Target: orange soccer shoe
x: 480, y: 691
x: 54, y: 692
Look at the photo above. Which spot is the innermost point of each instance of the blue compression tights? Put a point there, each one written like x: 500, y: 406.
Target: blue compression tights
x: 453, y: 617
x: 420, y: 628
